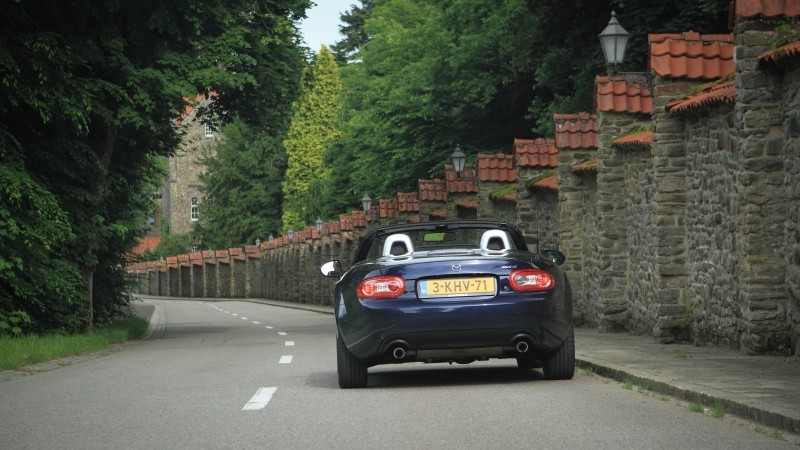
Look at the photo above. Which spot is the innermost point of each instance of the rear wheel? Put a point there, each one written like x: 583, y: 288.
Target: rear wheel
x: 560, y: 365
x: 352, y: 371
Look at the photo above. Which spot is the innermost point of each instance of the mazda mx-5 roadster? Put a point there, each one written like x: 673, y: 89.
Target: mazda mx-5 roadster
x: 451, y: 291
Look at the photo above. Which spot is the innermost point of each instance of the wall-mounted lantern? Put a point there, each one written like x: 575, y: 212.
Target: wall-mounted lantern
x: 366, y: 202
x: 319, y: 224
x: 459, y: 160
x: 614, y: 40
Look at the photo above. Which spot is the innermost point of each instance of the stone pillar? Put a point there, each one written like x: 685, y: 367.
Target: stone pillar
x: 576, y: 204
x: 761, y: 184
x: 611, y: 222
x: 670, y: 196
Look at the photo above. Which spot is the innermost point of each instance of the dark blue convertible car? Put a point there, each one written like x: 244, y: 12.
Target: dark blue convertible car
x: 451, y: 291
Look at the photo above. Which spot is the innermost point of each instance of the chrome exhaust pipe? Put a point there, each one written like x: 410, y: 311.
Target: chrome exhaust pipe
x: 399, y: 352
x: 522, y: 346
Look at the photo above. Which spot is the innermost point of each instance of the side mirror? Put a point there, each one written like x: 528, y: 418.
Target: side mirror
x: 555, y: 256
x: 332, y: 269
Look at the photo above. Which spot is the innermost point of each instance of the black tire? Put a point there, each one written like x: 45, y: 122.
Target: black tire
x: 352, y: 371
x: 560, y: 365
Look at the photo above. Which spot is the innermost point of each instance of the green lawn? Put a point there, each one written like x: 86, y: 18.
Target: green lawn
x: 22, y: 351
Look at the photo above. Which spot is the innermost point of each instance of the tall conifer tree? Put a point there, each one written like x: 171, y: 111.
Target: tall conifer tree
x: 312, y: 131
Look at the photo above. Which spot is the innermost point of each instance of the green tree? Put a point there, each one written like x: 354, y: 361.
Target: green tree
x: 312, y: 130
x: 90, y: 93
x: 243, y: 187
x: 432, y: 75
x: 355, y: 36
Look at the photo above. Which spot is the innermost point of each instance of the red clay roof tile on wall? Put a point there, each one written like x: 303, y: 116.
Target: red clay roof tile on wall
x: 432, y: 190
x: 767, y: 8
x: 536, y: 153
x: 692, y: 55
x: 550, y: 183
x: 466, y: 182
x: 345, y: 223
x: 387, y: 208
x: 359, y: 218
x: 498, y: 167
x: 641, y: 139
x: 787, y: 51
x: 614, y: 94
x: 718, y: 93
x: 576, y: 131
x: 467, y: 204
x: 586, y: 166
x: 407, y: 202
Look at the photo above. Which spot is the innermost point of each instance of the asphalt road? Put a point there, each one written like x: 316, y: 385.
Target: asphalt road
x: 245, y: 375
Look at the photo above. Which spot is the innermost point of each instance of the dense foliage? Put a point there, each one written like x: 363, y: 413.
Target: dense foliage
x: 422, y: 77
x: 90, y: 94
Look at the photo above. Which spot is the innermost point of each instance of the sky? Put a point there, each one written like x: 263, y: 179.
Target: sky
x: 322, y: 23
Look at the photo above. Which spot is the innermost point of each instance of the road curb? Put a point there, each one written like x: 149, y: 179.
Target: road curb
x: 737, y: 408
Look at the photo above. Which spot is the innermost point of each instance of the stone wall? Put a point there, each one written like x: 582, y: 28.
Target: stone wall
x: 791, y: 126
x: 640, y: 233
x: 711, y: 226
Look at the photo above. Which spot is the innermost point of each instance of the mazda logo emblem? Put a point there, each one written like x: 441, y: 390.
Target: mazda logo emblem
x: 456, y: 267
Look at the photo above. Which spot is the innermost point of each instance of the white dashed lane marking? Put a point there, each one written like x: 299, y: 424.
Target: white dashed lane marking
x: 260, y: 399
x: 263, y: 395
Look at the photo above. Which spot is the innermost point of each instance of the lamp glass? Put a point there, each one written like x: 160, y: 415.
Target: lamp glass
x: 614, y: 39
x: 366, y: 202
x: 459, y: 159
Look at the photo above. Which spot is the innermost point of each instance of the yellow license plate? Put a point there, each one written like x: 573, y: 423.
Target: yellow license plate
x: 457, y: 287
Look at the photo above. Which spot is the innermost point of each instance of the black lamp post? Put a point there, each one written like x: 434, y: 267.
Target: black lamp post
x: 459, y: 160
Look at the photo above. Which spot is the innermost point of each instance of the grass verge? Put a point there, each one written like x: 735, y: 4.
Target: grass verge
x: 17, y: 352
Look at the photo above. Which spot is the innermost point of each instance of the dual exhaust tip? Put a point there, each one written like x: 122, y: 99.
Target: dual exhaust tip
x: 399, y: 352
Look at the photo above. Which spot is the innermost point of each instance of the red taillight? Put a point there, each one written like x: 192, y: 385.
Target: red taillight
x: 381, y: 287
x: 531, y: 280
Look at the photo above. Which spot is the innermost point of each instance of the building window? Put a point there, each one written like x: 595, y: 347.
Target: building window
x: 151, y: 219
x: 209, y: 130
x: 195, y: 210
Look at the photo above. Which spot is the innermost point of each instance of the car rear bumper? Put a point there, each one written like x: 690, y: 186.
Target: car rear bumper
x: 451, y: 331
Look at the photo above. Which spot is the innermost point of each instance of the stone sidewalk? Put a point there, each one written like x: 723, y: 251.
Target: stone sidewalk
x: 765, y: 389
